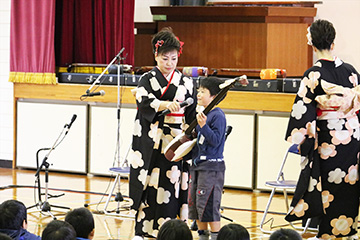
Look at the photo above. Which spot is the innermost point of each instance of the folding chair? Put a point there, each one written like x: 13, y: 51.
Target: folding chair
x: 119, y: 198
x: 123, y: 203
x: 281, y: 183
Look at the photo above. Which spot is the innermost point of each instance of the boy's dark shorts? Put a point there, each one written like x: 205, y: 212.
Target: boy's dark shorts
x: 205, y: 193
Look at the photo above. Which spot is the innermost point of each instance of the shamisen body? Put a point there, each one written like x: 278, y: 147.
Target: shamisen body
x: 183, y: 143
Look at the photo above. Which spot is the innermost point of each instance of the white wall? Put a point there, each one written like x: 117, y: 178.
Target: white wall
x: 142, y: 9
x: 344, y: 14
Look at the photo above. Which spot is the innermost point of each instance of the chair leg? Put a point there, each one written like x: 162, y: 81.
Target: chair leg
x: 262, y: 223
x: 306, y: 225
x: 266, y: 211
x: 122, y: 202
x: 305, y: 228
x: 287, y: 210
x: 286, y: 200
x: 117, y: 178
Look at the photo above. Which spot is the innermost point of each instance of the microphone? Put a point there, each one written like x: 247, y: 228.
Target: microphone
x: 100, y: 93
x: 228, y: 131
x: 72, y: 121
x: 185, y: 103
x: 68, y: 126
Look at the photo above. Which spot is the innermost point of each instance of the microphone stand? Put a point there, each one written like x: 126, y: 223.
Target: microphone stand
x: 39, y: 203
x: 103, y: 72
x: 46, y: 206
x: 118, y: 196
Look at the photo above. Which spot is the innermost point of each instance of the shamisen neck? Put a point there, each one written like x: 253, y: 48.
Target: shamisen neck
x: 224, y: 88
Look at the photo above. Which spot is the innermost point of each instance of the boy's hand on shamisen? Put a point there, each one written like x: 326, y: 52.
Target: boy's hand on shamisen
x: 243, y: 80
x: 201, y: 119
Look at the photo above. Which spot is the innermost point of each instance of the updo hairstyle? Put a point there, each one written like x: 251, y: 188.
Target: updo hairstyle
x: 322, y: 34
x: 165, y: 41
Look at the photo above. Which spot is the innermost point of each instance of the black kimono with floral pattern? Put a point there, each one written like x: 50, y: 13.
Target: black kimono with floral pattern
x: 159, y: 187
x: 324, y: 121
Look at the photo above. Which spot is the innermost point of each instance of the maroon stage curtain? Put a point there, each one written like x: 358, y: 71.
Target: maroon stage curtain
x: 32, y: 54
x: 94, y: 31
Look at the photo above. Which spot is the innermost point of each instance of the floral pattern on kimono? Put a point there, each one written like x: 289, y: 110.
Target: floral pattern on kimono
x: 157, y: 186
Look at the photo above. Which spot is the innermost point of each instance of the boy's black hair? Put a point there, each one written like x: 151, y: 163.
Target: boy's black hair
x: 212, y: 84
x: 285, y: 234
x: 58, y: 230
x: 174, y: 229
x: 322, y: 34
x: 12, y: 214
x: 233, y: 231
x: 82, y: 221
x: 170, y: 42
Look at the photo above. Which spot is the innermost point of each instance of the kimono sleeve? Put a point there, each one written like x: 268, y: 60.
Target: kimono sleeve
x: 302, y: 122
x: 301, y: 130
x: 146, y: 100
x: 190, y: 111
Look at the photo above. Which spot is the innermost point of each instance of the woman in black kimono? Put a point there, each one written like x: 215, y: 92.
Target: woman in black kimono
x: 159, y: 187
x: 324, y: 121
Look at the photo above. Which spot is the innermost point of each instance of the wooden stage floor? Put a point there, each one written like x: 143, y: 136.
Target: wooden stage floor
x: 243, y: 207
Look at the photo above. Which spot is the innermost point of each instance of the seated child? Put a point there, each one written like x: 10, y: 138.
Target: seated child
x: 174, y: 229
x: 83, y: 222
x: 233, y: 231
x: 13, y: 220
x: 58, y: 230
x: 285, y: 234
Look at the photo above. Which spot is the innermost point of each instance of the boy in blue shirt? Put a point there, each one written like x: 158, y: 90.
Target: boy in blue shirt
x: 208, y: 168
x: 13, y: 220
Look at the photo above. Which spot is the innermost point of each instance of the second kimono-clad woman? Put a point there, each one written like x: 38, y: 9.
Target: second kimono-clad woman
x: 324, y: 121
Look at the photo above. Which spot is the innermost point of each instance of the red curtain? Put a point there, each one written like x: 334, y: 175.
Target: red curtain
x: 32, y: 54
x: 94, y: 31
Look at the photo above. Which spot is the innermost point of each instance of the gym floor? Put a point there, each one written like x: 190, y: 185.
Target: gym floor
x: 240, y: 206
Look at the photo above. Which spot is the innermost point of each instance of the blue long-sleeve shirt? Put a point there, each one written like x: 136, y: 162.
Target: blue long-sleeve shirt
x: 208, y: 152
x: 21, y: 234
